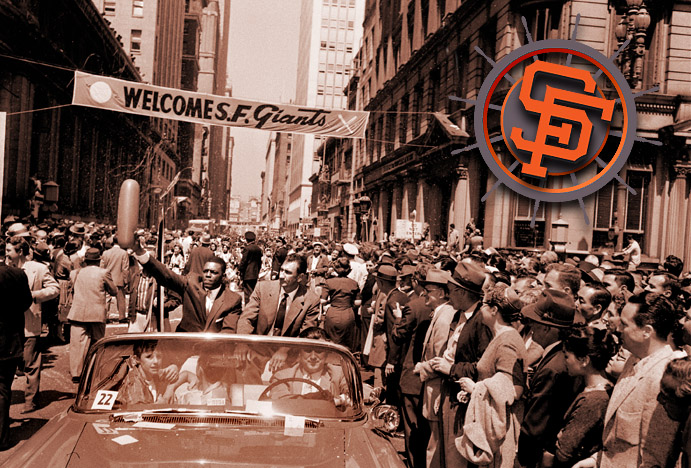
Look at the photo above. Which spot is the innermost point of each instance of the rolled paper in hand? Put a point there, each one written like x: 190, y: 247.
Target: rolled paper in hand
x: 128, y: 213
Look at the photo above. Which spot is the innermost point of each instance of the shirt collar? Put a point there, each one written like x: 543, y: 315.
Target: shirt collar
x: 211, y: 294
x: 291, y: 295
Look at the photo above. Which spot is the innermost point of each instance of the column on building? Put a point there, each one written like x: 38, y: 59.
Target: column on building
x: 422, y: 189
x: 432, y: 210
x: 409, y: 202
x: 460, y: 208
x: 382, y: 211
x: 397, y: 195
x: 675, y: 235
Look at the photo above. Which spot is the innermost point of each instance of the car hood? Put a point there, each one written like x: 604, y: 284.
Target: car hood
x: 70, y: 440
x: 103, y: 444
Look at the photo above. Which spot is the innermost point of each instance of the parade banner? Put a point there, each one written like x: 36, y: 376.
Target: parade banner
x: 103, y: 92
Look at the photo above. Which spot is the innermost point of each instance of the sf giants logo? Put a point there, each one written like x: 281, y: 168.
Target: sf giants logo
x: 549, y: 109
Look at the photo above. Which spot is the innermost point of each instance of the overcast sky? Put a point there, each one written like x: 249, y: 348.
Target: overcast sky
x: 262, y: 62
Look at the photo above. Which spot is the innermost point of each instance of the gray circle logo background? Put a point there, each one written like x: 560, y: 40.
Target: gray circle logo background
x: 625, y: 146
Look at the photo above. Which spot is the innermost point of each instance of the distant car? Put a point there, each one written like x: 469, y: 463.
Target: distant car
x: 183, y: 399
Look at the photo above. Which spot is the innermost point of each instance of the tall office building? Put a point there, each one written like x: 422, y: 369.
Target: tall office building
x: 152, y: 33
x: 330, y: 30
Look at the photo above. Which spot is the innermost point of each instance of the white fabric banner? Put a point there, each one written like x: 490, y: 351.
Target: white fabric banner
x: 103, y: 92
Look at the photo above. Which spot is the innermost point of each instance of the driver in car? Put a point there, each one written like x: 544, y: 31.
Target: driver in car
x: 311, y: 365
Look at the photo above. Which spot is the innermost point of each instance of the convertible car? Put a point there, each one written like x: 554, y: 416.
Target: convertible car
x: 216, y: 400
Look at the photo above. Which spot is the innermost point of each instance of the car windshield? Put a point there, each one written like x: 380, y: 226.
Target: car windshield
x: 221, y: 373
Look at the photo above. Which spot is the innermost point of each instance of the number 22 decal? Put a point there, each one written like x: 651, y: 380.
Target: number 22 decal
x: 105, y: 399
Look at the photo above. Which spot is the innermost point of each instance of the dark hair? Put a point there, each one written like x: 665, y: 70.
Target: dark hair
x: 144, y: 346
x: 674, y: 265
x: 657, y: 311
x: 218, y: 261
x: 622, y: 278
x: 680, y: 370
x: 598, y: 344
x: 600, y: 297
x: 20, y: 244
x: 314, y: 333
x: 342, y: 266
x: 447, y: 264
x: 301, y: 261
x: 671, y: 282
x: 569, y: 275
x: 506, y: 300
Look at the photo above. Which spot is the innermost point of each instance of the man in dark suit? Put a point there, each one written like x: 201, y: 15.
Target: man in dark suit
x: 14, y: 289
x: 283, y: 307
x: 199, y: 256
x: 409, y: 335
x: 208, y: 304
x: 250, y: 265
x: 550, y: 389
x: 468, y: 339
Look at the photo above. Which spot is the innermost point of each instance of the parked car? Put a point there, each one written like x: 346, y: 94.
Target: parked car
x: 180, y: 399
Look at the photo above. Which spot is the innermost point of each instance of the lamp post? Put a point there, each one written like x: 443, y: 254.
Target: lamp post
x: 633, y: 26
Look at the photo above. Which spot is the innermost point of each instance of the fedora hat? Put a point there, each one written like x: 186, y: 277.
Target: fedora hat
x: 205, y: 239
x: 18, y: 230
x: 42, y: 252
x: 406, y: 270
x: 78, y: 228
x: 554, y: 308
x: 437, y: 276
x: 70, y: 248
x: 387, y: 273
x: 92, y: 255
x: 250, y: 236
x: 469, y: 276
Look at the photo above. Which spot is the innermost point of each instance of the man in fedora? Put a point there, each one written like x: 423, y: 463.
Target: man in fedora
x: 468, y: 340
x: 317, y: 264
x: 199, y: 256
x: 550, y: 389
x: 436, y: 286
x: 88, y: 313
x: 250, y: 264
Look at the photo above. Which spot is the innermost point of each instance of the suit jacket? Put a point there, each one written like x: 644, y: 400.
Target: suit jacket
x: 396, y: 301
x: 637, y: 430
x: 472, y: 343
x: 551, y: 392
x: 434, y: 345
x: 90, y: 287
x: 251, y: 262
x: 43, y: 288
x: 322, y: 265
x: 224, y: 312
x: 117, y: 262
x: 197, y: 259
x: 409, y: 335
x: 332, y: 381
x: 14, y: 289
x: 259, y: 314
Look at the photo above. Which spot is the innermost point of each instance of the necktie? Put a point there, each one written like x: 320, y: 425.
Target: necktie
x: 280, y: 315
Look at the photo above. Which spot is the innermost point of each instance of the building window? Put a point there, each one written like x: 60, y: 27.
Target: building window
x: 417, y: 106
x: 635, y: 214
x: 109, y: 7
x: 403, y: 123
x: 138, y: 8
x: 543, y: 22
x: 391, y: 129
x: 424, y: 9
x: 488, y: 44
x: 136, y: 41
x: 411, y: 24
x: 523, y: 234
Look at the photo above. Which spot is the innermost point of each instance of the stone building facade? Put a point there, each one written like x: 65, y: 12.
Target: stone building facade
x: 417, y: 53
